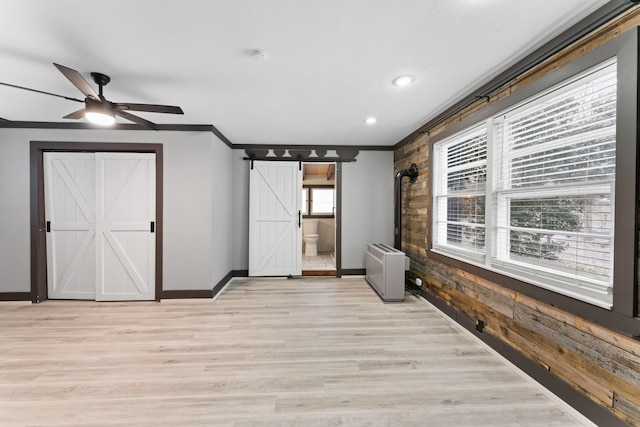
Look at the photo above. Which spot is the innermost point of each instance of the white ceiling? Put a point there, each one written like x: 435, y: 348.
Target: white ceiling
x: 329, y: 63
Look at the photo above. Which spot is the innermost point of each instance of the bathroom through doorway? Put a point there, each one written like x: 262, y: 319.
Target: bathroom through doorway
x: 318, y: 219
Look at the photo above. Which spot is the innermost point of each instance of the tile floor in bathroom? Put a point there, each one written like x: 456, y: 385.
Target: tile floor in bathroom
x: 320, y: 262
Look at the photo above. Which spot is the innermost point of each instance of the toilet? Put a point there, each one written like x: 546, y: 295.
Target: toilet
x: 310, y: 237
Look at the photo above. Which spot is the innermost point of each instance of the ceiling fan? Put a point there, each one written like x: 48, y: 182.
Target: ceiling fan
x: 98, y: 109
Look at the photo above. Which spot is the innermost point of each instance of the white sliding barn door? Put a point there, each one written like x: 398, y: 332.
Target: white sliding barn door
x: 99, y: 207
x: 125, y: 209
x: 275, y: 222
x: 70, y: 194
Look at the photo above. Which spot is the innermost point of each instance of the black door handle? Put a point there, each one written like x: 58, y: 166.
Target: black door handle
x: 299, y: 219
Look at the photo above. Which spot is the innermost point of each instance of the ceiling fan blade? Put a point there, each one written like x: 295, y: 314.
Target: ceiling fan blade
x: 75, y: 115
x: 136, y: 119
x: 40, y: 91
x: 78, y: 81
x: 152, y: 108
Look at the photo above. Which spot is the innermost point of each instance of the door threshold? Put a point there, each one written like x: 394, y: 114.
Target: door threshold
x: 327, y: 273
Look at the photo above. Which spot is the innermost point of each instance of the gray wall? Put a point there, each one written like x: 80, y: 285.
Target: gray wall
x: 222, y: 210
x: 367, y: 206
x: 240, y: 202
x: 206, y: 204
x: 197, y: 204
x: 14, y: 213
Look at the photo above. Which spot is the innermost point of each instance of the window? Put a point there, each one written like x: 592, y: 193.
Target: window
x: 305, y: 201
x: 318, y: 201
x: 530, y: 191
x: 322, y: 201
x: 459, y: 199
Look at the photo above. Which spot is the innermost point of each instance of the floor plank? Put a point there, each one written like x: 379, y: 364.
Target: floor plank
x: 266, y: 352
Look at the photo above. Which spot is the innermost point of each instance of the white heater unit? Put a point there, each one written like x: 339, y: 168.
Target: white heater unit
x: 385, y: 271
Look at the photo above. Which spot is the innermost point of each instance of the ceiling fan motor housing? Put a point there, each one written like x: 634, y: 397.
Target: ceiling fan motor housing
x: 100, y: 79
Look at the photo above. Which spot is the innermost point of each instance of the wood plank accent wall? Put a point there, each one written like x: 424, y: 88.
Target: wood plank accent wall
x: 600, y: 363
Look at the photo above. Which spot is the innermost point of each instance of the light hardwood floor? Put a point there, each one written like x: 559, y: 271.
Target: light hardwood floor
x: 269, y: 352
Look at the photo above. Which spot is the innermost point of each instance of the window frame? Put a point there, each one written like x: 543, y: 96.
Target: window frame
x: 623, y: 315
x: 308, y: 188
x: 443, y: 192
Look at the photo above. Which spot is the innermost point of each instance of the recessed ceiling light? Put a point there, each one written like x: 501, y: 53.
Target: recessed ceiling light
x: 404, y: 80
x: 370, y: 120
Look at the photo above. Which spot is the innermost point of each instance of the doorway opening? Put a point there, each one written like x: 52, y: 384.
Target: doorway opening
x: 319, y: 221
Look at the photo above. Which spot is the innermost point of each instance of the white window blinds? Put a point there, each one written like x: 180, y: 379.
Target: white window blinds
x: 548, y: 213
x: 460, y: 196
x: 554, y: 176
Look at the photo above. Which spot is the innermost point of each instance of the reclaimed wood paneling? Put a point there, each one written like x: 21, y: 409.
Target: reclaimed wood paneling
x: 600, y: 363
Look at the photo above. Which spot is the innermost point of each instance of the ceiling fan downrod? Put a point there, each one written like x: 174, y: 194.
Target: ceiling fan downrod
x: 101, y: 80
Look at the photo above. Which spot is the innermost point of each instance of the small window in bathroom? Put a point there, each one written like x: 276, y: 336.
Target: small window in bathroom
x: 322, y: 201
x: 305, y: 201
x: 318, y: 201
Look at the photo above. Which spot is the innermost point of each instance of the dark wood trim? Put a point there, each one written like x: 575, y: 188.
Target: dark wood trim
x: 622, y: 317
x: 313, y: 147
x: 573, y: 397
x: 11, y: 124
x: 221, y: 136
x: 585, y: 26
x: 15, y: 296
x: 354, y: 272
x: 185, y: 294
x: 338, y: 237
x: 38, y: 247
x: 120, y: 126
x: 37, y: 220
x: 226, y: 279
x: 240, y: 273
x: 625, y: 263
x: 222, y: 283
x: 159, y: 152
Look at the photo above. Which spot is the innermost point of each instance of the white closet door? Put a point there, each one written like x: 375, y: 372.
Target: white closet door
x: 100, y: 207
x: 125, y: 209
x: 70, y: 211
x: 275, y: 223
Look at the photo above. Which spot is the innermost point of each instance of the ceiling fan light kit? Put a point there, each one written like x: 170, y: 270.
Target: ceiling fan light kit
x: 97, y: 112
x: 100, y: 116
